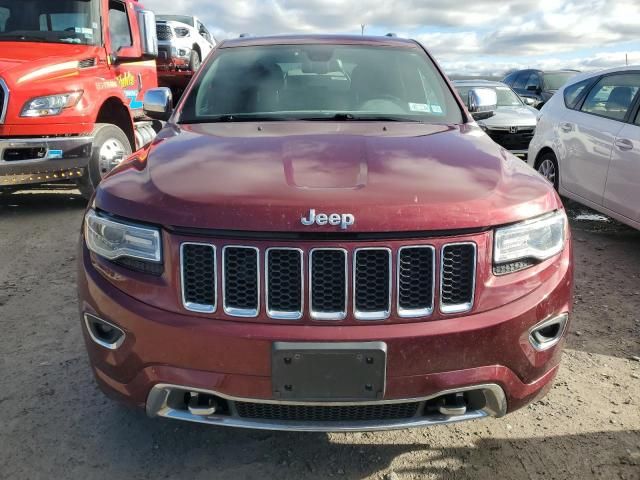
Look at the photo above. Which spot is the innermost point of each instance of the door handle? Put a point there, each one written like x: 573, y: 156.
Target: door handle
x: 623, y: 144
x: 566, y: 127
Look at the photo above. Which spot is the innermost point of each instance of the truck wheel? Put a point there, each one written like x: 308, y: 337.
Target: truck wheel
x: 110, y: 147
x: 194, y: 61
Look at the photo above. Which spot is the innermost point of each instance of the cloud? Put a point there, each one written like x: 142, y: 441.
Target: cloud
x: 484, y: 34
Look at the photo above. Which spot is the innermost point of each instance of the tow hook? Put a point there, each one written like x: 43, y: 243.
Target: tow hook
x: 201, y: 405
x: 453, y: 405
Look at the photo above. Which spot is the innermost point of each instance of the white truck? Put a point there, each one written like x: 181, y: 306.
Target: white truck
x: 183, y: 43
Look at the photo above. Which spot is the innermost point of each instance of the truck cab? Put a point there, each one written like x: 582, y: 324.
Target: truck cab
x: 73, y: 74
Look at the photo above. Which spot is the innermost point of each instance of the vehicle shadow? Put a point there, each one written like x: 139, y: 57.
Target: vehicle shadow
x: 156, y: 448
x: 30, y: 202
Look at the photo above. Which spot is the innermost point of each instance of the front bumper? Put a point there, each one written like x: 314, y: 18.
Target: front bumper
x: 173, y: 57
x: 166, y: 351
x: 26, y: 161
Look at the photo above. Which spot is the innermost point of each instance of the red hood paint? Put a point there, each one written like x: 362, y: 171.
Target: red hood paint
x: 265, y: 177
x: 41, y: 61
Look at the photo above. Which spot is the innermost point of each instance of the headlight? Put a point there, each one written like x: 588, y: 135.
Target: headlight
x: 536, y: 240
x: 50, y: 105
x: 114, y: 239
x: 181, y: 32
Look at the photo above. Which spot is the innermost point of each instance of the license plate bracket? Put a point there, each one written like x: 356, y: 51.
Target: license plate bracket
x: 329, y: 372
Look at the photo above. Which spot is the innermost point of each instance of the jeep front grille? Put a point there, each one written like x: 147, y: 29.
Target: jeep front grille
x: 329, y: 284
x: 241, y: 281
x: 458, y: 273
x: 165, y: 32
x: 4, y: 100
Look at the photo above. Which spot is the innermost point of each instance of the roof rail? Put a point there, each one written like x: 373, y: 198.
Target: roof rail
x: 391, y: 34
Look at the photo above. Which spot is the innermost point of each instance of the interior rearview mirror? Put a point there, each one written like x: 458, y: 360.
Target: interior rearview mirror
x: 482, y: 102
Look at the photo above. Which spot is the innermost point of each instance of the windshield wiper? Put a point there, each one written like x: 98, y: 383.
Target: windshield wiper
x: 23, y: 37
x: 350, y: 117
x: 237, y: 118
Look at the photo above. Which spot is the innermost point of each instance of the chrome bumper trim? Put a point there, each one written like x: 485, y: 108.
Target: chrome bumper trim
x: 496, y: 406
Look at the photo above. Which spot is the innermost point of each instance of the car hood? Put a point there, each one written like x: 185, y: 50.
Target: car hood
x: 266, y: 177
x: 512, y: 116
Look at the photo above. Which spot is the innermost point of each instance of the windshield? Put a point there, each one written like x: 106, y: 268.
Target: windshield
x: 59, y: 21
x: 554, y: 81
x: 506, y: 96
x: 176, y: 18
x: 320, y: 82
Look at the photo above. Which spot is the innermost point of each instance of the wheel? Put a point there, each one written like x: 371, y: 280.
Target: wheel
x: 194, y: 61
x: 548, y: 167
x: 110, y: 147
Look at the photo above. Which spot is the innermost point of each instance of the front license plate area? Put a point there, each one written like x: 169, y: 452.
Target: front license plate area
x: 329, y: 372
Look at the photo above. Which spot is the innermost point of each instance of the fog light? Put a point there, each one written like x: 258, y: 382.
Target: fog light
x: 104, y: 333
x: 548, y: 333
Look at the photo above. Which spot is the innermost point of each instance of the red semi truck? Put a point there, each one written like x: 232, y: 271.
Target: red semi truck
x: 72, y: 77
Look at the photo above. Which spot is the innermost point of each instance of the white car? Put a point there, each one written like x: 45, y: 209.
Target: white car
x: 183, y: 42
x: 587, y: 142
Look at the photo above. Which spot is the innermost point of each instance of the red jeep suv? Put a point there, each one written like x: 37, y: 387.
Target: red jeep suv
x: 322, y: 239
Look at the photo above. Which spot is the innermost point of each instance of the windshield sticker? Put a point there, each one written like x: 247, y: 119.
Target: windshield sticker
x: 419, y: 107
x: 85, y: 31
x: 436, y: 108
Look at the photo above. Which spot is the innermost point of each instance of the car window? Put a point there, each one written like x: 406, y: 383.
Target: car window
x: 297, y: 82
x: 521, y: 79
x: 572, y: 93
x: 510, y: 78
x: 533, y: 81
x: 506, y: 96
x: 119, y: 26
x: 557, y: 80
x: 612, y: 96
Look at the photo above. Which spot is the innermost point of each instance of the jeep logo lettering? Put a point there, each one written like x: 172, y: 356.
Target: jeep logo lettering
x: 345, y: 220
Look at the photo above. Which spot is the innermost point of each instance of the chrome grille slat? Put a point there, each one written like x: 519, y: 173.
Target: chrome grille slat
x: 284, y: 283
x: 416, y: 281
x: 198, y: 273
x: 328, y: 284
x: 457, y: 277
x: 372, y: 283
x: 241, y: 281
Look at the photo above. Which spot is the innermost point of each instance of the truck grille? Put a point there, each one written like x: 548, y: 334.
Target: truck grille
x: 320, y: 413
x: 4, y: 100
x: 164, y: 32
x: 330, y: 275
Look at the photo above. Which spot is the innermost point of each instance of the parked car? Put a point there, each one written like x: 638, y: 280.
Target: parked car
x: 183, y: 42
x: 300, y: 250
x: 536, y: 87
x: 512, y: 124
x: 588, y: 142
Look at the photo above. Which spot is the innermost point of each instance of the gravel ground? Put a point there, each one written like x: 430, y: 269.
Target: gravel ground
x: 54, y: 423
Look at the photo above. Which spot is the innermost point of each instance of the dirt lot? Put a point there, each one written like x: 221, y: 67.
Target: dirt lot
x: 54, y: 423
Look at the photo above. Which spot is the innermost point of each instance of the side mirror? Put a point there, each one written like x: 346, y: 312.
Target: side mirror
x: 482, y: 102
x: 148, y: 36
x: 158, y: 103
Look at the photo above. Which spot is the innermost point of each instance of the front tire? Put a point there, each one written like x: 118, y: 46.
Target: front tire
x: 110, y: 147
x: 547, y: 166
x: 194, y: 61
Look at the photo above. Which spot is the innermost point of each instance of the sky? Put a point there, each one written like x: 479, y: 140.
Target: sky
x: 478, y: 37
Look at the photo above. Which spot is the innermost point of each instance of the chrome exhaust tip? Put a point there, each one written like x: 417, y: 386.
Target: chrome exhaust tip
x: 548, y: 333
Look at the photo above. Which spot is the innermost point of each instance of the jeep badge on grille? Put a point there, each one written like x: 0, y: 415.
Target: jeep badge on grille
x: 345, y: 220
